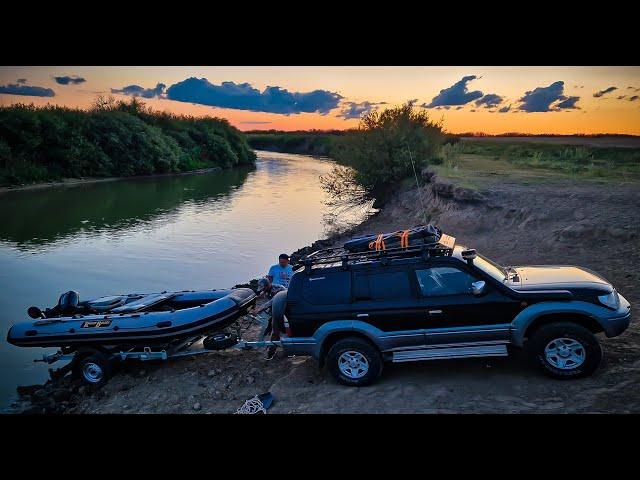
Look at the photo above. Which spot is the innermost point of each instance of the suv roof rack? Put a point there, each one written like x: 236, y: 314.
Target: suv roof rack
x: 443, y: 247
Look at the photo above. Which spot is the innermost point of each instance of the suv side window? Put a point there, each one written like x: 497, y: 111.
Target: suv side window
x: 440, y: 281
x: 381, y: 286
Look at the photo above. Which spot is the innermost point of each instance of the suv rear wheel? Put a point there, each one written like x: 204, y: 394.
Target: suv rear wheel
x: 354, y: 362
x: 565, y: 350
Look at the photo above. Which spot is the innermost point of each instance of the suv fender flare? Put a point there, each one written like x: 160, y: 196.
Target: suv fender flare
x: 526, y: 317
x: 342, y: 326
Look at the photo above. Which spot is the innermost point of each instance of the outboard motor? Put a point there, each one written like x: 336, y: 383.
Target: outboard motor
x: 68, y: 302
x: 67, y: 305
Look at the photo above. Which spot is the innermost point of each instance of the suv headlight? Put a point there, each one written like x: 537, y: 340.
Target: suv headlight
x: 611, y: 300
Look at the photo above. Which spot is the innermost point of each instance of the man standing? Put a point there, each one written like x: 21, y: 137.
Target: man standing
x: 279, y: 276
x: 281, y: 273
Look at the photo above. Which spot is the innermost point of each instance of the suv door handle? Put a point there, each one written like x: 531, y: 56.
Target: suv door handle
x: 362, y: 315
x: 435, y: 312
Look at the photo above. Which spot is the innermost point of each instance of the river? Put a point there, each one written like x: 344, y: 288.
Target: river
x: 200, y: 231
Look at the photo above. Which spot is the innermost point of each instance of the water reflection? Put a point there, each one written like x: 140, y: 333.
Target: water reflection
x: 43, y: 217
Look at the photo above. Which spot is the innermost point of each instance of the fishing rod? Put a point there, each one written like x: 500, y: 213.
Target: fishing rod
x: 415, y: 174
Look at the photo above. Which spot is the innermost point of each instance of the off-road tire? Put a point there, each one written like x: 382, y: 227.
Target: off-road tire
x: 547, y: 333
x: 361, y: 346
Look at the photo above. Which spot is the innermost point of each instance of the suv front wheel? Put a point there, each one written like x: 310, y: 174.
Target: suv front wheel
x: 354, y: 361
x: 566, y: 350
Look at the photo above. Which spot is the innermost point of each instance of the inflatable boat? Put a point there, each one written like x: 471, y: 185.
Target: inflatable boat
x: 426, y: 234
x: 154, y: 319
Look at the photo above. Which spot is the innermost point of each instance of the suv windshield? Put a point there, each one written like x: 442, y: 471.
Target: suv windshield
x: 496, y: 271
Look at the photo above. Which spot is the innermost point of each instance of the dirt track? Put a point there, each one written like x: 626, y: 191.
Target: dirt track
x: 596, y: 226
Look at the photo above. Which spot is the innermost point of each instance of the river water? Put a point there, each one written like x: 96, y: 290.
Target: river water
x: 200, y: 231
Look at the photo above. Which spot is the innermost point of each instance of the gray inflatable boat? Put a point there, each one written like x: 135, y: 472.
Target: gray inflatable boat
x: 154, y: 319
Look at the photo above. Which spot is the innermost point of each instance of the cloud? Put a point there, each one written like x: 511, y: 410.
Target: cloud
x: 505, y: 109
x: 243, y: 96
x: 456, y: 94
x: 66, y: 80
x: 489, y: 100
x: 22, y: 80
x: 547, y: 99
x: 351, y: 110
x: 604, y: 92
x: 138, y: 91
x: 569, y: 103
x: 29, y: 90
x: 620, y: 97
x: 634, y: 98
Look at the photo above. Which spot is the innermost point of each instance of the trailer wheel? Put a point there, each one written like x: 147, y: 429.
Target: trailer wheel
x: 94, y: 370
x: 220, y: 341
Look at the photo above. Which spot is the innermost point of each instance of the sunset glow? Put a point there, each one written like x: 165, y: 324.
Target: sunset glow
x: 556, y: 100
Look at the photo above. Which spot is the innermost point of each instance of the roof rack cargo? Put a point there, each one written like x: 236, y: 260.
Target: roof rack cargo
x: 442, y: 247
x: 402, y: 238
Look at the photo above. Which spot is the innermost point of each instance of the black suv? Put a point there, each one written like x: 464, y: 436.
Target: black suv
x: 355, y: 310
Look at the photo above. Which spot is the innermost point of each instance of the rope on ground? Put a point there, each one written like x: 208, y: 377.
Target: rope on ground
x: 252, y: 406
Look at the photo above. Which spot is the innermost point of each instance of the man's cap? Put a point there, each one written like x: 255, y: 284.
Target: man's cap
x: 263, y: 283
x: 283, y: 256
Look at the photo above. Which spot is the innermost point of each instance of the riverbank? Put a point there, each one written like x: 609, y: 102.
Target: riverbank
x: 70, y: 182
x: 511, y: 220
x: 305, y: 143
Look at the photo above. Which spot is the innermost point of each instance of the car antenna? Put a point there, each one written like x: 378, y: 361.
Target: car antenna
x: 415, y: 174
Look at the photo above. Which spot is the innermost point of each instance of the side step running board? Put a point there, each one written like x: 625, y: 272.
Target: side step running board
x: 448, y: 351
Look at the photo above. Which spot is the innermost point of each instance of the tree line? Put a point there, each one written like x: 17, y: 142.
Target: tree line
x: 112, y: 138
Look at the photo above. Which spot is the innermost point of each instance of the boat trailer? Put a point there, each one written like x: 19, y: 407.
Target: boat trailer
x: 189, y: 347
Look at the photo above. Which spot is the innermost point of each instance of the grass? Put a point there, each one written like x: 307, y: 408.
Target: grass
x: 479, y: 165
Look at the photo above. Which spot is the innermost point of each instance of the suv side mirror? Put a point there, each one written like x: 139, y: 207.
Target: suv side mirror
x: 477, y: 288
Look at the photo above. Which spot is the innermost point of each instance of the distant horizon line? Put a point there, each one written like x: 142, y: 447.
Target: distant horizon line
x: 462, y: 134
x: 337, y: 131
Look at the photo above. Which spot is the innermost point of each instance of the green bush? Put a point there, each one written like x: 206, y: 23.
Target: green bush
x: 381, y: 149
x: 112, y: 139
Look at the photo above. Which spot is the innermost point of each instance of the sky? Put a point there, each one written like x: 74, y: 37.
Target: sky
x: 494, y: 100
